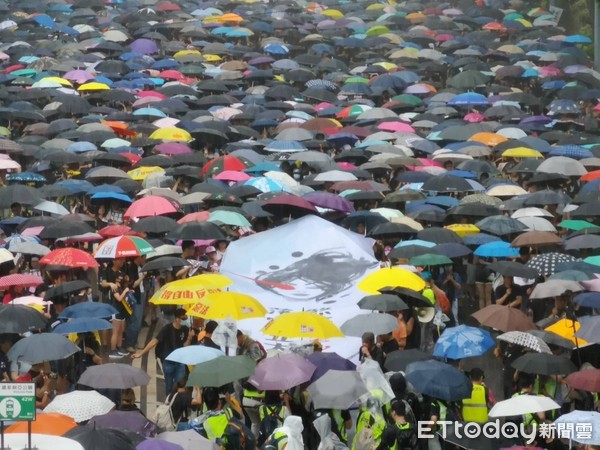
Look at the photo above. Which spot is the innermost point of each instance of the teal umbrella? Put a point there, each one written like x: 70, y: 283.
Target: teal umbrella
x: 221, y: 371
x: 229, y: 218
x: 430, y: 259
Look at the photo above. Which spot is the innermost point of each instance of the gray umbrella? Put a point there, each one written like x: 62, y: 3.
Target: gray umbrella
x: 189, y: 440
x: 377, y: 323
x: 113, y: 376
x: 383, y: 302
x: 30, y: 248
x: 337, y: 389
x: 16, y: 319
x: 42, y: 347
x: 552, y: 338
x: 553, y: 288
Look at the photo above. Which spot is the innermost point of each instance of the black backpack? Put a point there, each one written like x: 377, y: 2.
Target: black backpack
x: 269, y: 423
x: 237, y: 436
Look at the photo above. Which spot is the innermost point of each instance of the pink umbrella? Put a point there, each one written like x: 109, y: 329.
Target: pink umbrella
x: 173, y: 148
x: 591, y: 285
x: 166, y: 122
x: 153, y: 205
x: 549, y: 71
x: 201, y: 216
x: 323, y: 105
x: 346, y: 165
x: 151, y: 94
x: 79, y: 76
x: 474, y: 117
x: 20, y: 279
x: 32, y: 231
x: 429, y: 162
x: 444, y: 37
x: 396, y: 126
x: 232, y: 175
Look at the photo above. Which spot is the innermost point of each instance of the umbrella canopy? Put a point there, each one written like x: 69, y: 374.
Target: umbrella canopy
x: 438, y: 380
x: 125, y: 421
x: 586, y: 380
x: 382, y: 302
x: 544, y: 364
x: 326, y: 361
x: 523, y: 404
x: 504, y: 318
x: 526, y: 340
x: 221, y: 305
x: 69, y: 258
x: 337, y: 389
x: 16, y: 319
x: 188, y: 440
x: 113, y: 376
x: 463, y: 342
x: 194, y: 354
x: 123, y: 247
x: 42, y: 347
x: 302, y: 325
x: 45, y: 423
x: 92, y: 438
x: 398, y: 360
x: 282, y: 372
x: 376, y: 323
x: 221, y: 371
x: 80, y: 405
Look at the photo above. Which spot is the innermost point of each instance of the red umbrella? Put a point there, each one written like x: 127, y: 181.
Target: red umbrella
x: 586, y: 380
x: 289, y: 205
x: 20, y: 279
x: 201, y: 216
x: 115, y: 230
x: 223, y: 163
x: 69, y: 257
x: 153, y: 205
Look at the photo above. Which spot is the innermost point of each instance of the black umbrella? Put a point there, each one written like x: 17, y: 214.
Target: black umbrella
x: 65, y: 229
x: 501, y: 225
x: 412, y: 298
x: 409, y: 251
x: 17, y: 319
x: 544, y: 364
x: 439, y: 235
x: 64, y: 289
x: 513, y: 269
x: 92, y: 438
x: 164, y: 263
x: 397, y: 361
x: 383, y: 302
x: 197, y: 230
x: 391, y: 230
x: 18, y: 193
x: 452, y: 250
x: 475, y: 209
x: 42, y: 347
x: 547, y: 197
x: 155, y: 225
x: 552, y: 339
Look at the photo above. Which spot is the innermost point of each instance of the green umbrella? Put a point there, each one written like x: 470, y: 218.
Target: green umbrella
x: 229, y: 218
x: 576, y: 225
x: 430, y: 259
x: 408, y: 99
x: 220, y: 371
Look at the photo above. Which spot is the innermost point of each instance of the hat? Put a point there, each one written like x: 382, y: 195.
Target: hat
x: 425, y: 315
x: 210, y: 249
x: 426, y: 275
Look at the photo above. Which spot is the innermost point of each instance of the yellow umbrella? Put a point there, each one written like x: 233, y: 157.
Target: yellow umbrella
x: 567, y: 328
x: 171, y: 134
x: 58, y: 80
x: 302, y: 325
x: 212, y: 58
x: 522, y: 152
x: 190, y: 290
x: 333, y: 13
x: 463, y: 229
x: 181, y: 53
x: 94, y: 86
x: 386, y: 65
x: 221, y: 305
x: 141, y: 173
x: 374, y: 6
x: 391, y: 277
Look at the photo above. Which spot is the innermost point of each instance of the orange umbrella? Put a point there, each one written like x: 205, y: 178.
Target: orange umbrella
x: 590, y: 176
x: 231, y: 18
x: 45, y: 423
x: 491, y: 139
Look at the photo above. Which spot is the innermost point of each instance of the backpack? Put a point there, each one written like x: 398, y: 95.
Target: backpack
x: 269, y: 423
x: 237, y: 436
x: 163, y: 416
x: 442, y: 301
x: 272, y: 442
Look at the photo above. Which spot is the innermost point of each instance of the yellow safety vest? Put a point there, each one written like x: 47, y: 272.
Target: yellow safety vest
x: 277, y: 411
x: 256, y: 395
x: 401, y: 426
x: 474, y: 409
x: 367, y: 420
x: 341, y: 424
x: 214, y: 426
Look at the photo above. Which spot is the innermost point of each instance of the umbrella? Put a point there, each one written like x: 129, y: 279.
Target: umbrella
x: 19, y: 279
x: 513, y: 269
x: 113, y: 376
x: 463, y: 342
x: 326, y: 361
x: 383, y: 302
x: 586, y: 380
x: 393, y: 277
x: 189, y: 290
x: 188, y: 440
x: 504, y: 318
x: 221, y: 305
x: 377, y: 323
x: 123, y: 247
x: 398, y: 360
x: 70, y: 258
x: 546, y: 263
x: 553, y: 288
x: 589, y: 329
x: 302, y: 325
x: 125, y: 420
x: 337, y: 389
x: 525, y: 339
x: 42, y: 347
x: 87, y: 310
x: 40, y: 442
x: 544, y: 364
x: 194, y: 354
x: 17, y: 319
x: 438, y: 380
x: 196, y: 230
x: 282, y: 372
x: 82, y: 325
x: 585, y: 424
x: 93, y: 438
x: 157, y: 444
x: 523, y: 404
x: 221, y: 371
x: 45, y: 423
x: 152, y: 205
x: 80, y: 405
x: 551, y: 338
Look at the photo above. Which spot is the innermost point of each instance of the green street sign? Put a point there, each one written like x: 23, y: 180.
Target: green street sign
x: 17, y: 401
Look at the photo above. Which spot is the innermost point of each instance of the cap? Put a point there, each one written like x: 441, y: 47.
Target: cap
x: 210, y: 249
x: 426, y: 275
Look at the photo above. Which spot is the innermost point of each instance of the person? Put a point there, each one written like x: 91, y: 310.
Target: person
x: 5, y: 345
x: 114, y: 283
x: 287, y: 437
x: 128, y: 401
x: 252, y: 398
x: 526, y: 387
x: 401, y: 435
x: 450, y: 282
x: 137, y: 298
x: 184, y: 401
x: 212, y: 423
x: 209, y: 329
x: 272, y: 413
x: 370, y: 350
x: 171, y: 337
x: 508, y: 294
x: 476, y: 407
x: 388, y: 344
x: 210, y: 261
x: 188, y: 249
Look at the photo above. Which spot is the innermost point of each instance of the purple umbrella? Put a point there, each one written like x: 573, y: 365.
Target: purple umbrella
x: 282, y: 372
x: 173, y: 148
x: 157, y: 444
x: 326, y: 361
x: 144, y: 46
x: 126, y: 420
x: 330, y: 201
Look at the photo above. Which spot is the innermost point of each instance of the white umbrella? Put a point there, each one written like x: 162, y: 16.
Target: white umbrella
x: 335, y: 175
x: 531, y: 212
x: 537, y: 224
x: 562, y: 165
x: 51, y: 208
x: 40, y: 442
x: 30, y: 248
x: 80, y: 405
x: 523, y: 404
x: 553, y: 288
x: 5, y: 255
x: 577, y: 423
x: 526, y: 340
x: 188, y: 440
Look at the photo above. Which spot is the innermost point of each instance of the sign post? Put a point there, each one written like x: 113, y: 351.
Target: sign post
x: 17, y: 403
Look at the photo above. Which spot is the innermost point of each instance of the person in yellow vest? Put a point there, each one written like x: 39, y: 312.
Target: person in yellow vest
x: 213, y: 422
x: 526, y: 385
x: 370, y: 422
x: 475, y: 408
x: 401, y: 435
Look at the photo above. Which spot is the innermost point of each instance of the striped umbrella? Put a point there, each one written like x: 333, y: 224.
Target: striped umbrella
x: 123, y: 247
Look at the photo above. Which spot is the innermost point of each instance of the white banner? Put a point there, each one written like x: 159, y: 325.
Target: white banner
x: 309, y: 264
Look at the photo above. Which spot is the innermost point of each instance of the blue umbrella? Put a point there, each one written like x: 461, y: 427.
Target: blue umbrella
x: 76, y: 186
x: 577, y: 39
x: 326, y: 361
x: 468, y: 99
x: 82, y: 325
x: 105, y: 188
x: 194, y: 354
x: 111, y: 196
x: 571, y: 151
x: 463, y: 342
x: 497, y: 249
x: 588, y: 299
x: 81, y: 147
x: 442, y: 200
x: 263, y: 167
x: 415, y: 242
x: 439, y: 380
x: 26, y: 177
x: 88, y: 310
